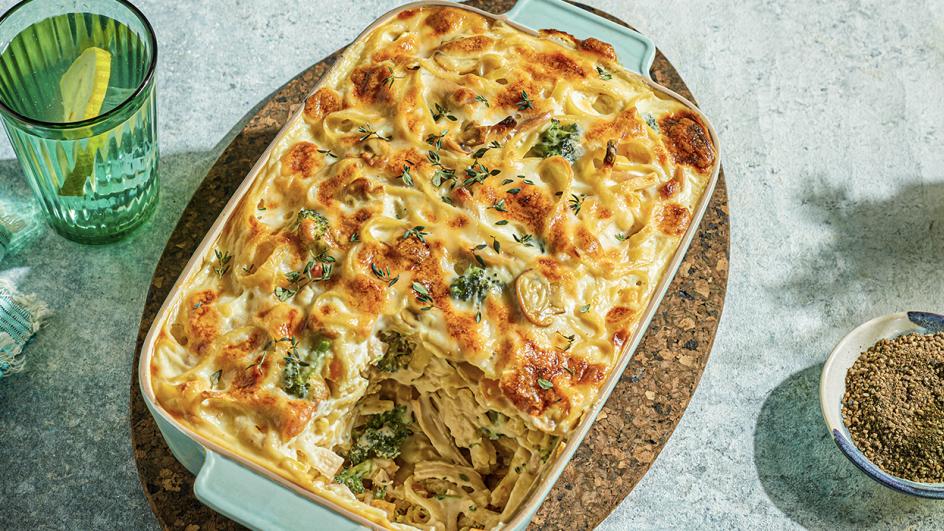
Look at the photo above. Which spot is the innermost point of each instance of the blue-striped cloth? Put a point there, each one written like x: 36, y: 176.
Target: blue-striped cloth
x: 20, y: 318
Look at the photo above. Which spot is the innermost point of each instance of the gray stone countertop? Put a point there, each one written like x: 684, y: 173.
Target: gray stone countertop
x: 832, y: 125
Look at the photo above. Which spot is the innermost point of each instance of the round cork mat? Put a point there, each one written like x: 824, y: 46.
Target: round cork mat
x: 636, y: 421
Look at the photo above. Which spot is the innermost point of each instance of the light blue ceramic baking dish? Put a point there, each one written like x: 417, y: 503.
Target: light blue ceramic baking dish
x: 260, y: 499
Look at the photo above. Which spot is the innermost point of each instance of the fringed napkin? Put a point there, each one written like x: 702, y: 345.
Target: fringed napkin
x: 20, y: 318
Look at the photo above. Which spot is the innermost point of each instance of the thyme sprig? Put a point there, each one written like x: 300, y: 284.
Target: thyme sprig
x: 299, y: 279
x: 528, y: 240
x: 422, y: 296
x: 441, y: 112
x: 442, y: 173
x: 260, y: 360
x: 368, y: 131
x: 417, y: 232
x: 525, y: 103
x: 391, y: 77
x: 436, y: 140
x: 477, y: 173
x: 576, y: 202
x: 384, y: 274
x: 223, y: 259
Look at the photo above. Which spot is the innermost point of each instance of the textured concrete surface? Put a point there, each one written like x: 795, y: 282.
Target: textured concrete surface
x: 831, y: 120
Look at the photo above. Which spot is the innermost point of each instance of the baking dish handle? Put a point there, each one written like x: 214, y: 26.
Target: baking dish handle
x: 259, y: 503
x: 634, y: 50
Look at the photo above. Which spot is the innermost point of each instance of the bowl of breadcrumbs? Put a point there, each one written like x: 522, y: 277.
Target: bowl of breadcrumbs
x: 882, y: 396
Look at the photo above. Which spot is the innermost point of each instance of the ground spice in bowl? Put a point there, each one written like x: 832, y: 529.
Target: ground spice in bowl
x: 894, y: 406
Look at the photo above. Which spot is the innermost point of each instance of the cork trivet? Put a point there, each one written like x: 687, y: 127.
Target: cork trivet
x: 636, y: 421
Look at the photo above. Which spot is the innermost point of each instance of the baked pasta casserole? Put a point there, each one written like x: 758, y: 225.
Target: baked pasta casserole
x: 436, y: 268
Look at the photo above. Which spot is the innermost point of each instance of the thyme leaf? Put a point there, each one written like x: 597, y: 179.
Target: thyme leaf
x: 479, y: 153
x: 407, y: 178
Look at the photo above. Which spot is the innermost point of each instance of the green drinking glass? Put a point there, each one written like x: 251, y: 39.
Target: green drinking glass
x: 77, y: 101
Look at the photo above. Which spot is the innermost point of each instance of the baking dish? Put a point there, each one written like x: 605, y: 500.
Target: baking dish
x: 254, y: 496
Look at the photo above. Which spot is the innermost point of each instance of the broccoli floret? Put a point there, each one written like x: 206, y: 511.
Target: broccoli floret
x: 558, y: 140
x: 314, y: 230
x: 399, y: 350
x: 474, y: 285
x: 382, y: 436
x: 353, y: 476
x: 295, y: 376
x: 297, y: 370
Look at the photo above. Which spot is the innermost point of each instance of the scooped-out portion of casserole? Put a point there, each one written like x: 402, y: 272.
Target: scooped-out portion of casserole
x: 436, y: 269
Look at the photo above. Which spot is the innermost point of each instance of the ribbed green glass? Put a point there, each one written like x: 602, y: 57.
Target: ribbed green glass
x: 95, y: 179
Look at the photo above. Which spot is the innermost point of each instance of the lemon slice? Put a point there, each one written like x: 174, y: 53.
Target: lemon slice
x: 83, y: 89
x: 84, y: 85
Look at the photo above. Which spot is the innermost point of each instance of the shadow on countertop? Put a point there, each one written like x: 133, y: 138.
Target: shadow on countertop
x: 877, y: 254
x: 806, y: 477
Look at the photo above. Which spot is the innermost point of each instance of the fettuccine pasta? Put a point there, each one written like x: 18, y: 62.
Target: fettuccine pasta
x: 436, y: 269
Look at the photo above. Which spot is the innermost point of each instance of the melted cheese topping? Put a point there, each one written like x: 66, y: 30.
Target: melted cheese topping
x: 435, y: 148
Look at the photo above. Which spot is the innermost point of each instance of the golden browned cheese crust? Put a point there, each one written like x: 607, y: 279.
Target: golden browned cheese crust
x: 462, y: 228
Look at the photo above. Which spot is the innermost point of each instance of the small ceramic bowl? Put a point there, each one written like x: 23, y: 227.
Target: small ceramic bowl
x: 832, y: 387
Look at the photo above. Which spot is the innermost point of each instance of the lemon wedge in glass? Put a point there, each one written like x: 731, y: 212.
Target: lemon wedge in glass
x: 84, y: 85
x: 83, y: 88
